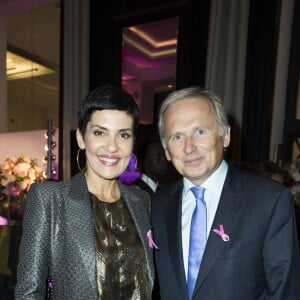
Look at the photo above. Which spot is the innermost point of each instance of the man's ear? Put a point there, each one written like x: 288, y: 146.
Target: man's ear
x: 226, y: 139
x: 80, y: 140
x: 168, y: 156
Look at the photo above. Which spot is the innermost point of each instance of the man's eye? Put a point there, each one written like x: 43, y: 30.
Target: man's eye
x: 177, y: 138
x: 201, y: 132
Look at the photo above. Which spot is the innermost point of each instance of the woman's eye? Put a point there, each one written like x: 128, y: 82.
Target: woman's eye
x: 125, y: 135
x: 98, y: 132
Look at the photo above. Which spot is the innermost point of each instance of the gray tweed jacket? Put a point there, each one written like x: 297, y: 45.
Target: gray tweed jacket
x: 58, y: 236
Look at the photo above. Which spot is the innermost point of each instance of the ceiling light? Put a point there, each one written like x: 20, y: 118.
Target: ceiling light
x: 150, y: 40
x: 19, y: 67
x: 147, y: 52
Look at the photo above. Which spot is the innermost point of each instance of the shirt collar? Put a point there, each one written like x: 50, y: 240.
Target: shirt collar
x: 214, y: 182
x: 152, y: 184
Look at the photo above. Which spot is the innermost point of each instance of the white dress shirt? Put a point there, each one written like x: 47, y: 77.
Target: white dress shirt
x: 213, y: 188
x: 151, y: 183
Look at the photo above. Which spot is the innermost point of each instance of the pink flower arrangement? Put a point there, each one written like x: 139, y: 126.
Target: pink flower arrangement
x: 17, y: 174
x: 294, y: 171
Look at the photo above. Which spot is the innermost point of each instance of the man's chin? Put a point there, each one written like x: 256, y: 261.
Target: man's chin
x: 196, y: 178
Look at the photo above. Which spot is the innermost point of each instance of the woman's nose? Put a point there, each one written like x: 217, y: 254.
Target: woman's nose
x: 112, y: 145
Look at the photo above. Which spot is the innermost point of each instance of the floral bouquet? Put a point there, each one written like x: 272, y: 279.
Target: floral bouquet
x: 16, y: 176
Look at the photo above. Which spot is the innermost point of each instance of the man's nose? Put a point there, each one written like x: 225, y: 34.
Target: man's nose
x: 189, y: 145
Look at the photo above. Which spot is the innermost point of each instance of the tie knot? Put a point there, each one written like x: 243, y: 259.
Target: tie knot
x: 198, y: 192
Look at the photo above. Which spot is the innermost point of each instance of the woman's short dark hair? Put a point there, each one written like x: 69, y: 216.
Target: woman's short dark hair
x: 107, y: 97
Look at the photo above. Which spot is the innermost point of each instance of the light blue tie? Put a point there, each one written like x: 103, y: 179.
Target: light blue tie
x: 197, y: 238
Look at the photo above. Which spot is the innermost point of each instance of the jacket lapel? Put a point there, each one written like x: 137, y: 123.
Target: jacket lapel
x: 173, y: 217
x: 79, y: 225
x: 226, y: 215
x: 140, y: 213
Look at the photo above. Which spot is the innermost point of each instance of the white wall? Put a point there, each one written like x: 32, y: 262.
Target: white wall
x: 29, y: 143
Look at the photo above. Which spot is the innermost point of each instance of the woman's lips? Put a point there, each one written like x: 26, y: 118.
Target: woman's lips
x: 109, y: 160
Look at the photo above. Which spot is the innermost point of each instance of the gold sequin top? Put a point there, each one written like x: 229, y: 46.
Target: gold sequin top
x: 121, y: 262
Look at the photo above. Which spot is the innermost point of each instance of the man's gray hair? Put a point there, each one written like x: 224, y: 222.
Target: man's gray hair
x: 193, y: 92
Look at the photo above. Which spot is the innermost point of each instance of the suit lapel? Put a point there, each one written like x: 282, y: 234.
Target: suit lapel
x: 173, y: 217
x: 79, y: 225
x: 140, y: 214
x: 226, y: 214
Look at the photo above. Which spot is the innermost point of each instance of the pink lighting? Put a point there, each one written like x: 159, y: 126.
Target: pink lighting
x: 3, y: 221
x: 18, y: 6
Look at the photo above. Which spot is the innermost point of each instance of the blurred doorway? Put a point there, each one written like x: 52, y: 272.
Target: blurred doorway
x: 149, y: 57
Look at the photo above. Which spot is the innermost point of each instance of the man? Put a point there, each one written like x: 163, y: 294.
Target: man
x: 250, y: 244
x: 154, y: 165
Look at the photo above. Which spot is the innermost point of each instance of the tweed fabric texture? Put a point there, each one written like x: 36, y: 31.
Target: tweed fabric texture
x: 58, y: 235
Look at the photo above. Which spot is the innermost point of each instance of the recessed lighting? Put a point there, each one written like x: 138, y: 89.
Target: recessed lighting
x: 19, y: 67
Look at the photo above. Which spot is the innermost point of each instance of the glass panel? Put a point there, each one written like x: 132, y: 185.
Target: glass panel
x: 32, y: 68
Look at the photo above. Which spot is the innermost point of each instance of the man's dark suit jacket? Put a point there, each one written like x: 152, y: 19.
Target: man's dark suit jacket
x: 261, y: 259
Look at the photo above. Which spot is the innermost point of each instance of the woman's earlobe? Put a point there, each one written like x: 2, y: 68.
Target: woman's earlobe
x: 80, y: 140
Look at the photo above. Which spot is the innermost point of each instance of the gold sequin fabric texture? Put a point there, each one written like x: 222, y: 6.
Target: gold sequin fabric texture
x: 121, y: 263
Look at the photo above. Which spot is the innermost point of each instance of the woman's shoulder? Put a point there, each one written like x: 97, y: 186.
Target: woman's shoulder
x: 135, y: 191
x: 42, y: 192
x: 52, y: 185
x: 58, y: 185
x: 130, y: 188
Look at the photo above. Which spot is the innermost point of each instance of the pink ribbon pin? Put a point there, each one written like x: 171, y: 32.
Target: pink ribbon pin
x: 221, y: 233
x: 150, y: 240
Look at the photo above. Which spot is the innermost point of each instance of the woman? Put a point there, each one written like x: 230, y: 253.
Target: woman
x: 90, y: 233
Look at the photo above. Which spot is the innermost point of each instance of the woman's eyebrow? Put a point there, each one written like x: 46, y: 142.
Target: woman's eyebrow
x: 125, y: 129
x: 99, y: 126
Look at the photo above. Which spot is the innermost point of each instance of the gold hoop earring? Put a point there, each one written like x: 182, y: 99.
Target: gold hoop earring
x: 78, y: 161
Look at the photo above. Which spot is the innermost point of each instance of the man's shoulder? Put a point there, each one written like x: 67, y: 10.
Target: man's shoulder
x: 252, y: 180
x: 169, y: 190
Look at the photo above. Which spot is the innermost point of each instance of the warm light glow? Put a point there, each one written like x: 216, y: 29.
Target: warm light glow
x: 18, y: 67
x: 152, y: 41
x: 155, y: 54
